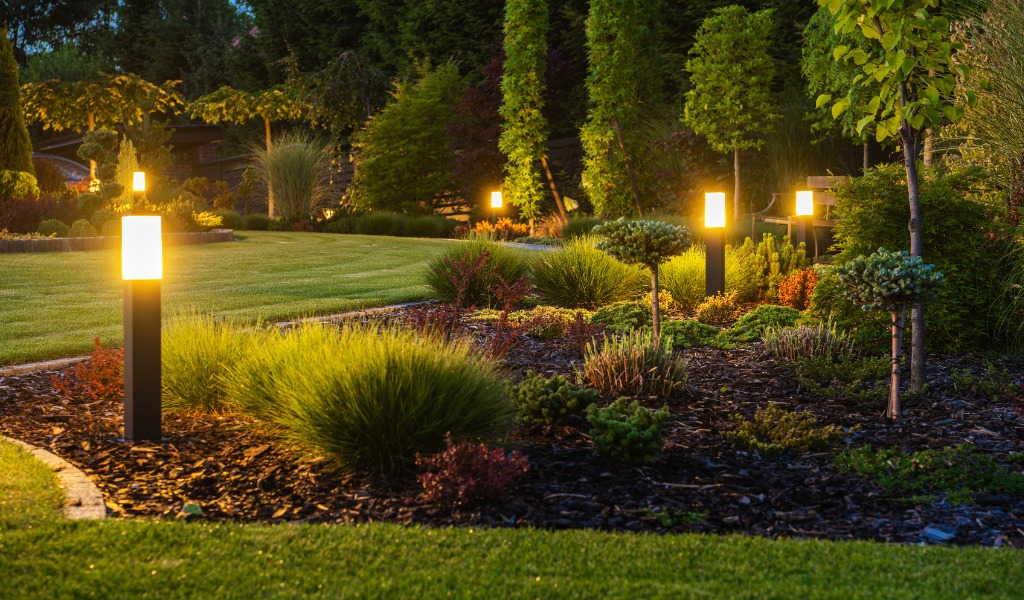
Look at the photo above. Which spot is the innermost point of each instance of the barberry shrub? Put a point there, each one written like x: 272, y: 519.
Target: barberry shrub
x: 99, y: 378
x: 627, y: 432
x: 796, y: 288
x: 549, y: 400
x: 467, y: 473
x: 460, y: 270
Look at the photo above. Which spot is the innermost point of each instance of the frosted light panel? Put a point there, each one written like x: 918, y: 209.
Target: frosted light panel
x: 142, y: 254
x: 714, y: 209
x: 138, y: 181
x: 495, y: 199
x: 804, y: 204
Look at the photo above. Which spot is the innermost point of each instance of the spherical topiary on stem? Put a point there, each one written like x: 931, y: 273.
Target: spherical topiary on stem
x: 890, y: 281
x: 647, y: 243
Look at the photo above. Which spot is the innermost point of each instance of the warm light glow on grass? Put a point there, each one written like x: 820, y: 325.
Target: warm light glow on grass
x: 804, y: 203
x: 714, y: 209
x: 141, y: 248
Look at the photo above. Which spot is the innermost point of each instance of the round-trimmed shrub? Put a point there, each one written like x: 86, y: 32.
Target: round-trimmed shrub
x: 578, y: 275
x: 101, y: 217
x: 82, y: 228
x: 112, y: 228
x: 53, y: 227
x: 371, y: 399
x: 18, y: 185
x: 442, y: 273
x: 230, y: 219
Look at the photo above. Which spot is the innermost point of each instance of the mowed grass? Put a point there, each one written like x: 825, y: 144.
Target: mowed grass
x: 53, y: 558
x: 54, y: 304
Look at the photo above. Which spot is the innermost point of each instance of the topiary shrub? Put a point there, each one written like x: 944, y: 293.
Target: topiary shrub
x: 774, y: 431
x: 468, y: 473
x: 623, y: 316
x: 627, y: 432
x: 508, y: 264
x: 112, y: 228
x: 578, y: 275
x: 646, y: 243
x: 371, y: 398
x: 101, y: 217
x: 717, y: 309
x: 18, y: 185
x: 632, y: 365
x: 15, y: 145
x: 53, y: 228
x: 82, y: 228
x: 549, y: 400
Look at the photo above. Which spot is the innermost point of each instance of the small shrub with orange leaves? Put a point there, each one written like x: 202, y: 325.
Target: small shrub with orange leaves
x: 99, y: 378
x: 504, y: 229
x: 795, y: 289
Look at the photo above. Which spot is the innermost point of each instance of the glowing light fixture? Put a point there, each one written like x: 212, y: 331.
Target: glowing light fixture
x: 495, y: 199
x: 714, y: 209
x: 141, y: 248
x: 138, y: 181
x: 805, y: 203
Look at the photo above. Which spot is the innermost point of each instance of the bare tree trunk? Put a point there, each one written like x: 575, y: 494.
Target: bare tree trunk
x: 918, y: 370
x: 554, y: 189
x: 655, y: 308
x: 736, y: 177
x: 899, y: 319
x: 629, y: 167
x: 270, y: 191
x: 867, y: 159
x: 92, y: 163
x: 928, y: 154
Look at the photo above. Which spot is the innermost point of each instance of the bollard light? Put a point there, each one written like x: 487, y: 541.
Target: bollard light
x: 714, y: 242
x: 138, y: 181
x: 141, y: 270
x: 495, y: 199
x: 805, y: 203
x: 805, y: 220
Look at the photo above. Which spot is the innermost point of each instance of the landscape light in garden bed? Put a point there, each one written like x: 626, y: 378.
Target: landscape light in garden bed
x: 495, y: 199
x: 141, y: 270
x: 805, y: 219
x: 138, y: 181
x: 714, y: 243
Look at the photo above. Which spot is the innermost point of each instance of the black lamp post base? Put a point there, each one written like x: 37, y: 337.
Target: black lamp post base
x: 142, y: 360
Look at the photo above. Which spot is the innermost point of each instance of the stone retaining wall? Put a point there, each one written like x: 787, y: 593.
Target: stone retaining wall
x: 105, y: 242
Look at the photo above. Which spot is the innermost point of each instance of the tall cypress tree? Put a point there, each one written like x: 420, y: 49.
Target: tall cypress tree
x: 15, y: 147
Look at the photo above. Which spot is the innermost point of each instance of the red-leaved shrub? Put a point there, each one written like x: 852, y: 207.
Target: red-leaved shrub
x: 99, y: 378
x: 466, y: 473
x: 795, y: 289
x: 579, y: 332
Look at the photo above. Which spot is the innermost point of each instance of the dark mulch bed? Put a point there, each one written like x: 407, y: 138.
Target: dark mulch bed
x: 232, y: 470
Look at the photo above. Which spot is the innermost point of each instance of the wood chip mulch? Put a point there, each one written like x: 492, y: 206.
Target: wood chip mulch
x: 226, y: 467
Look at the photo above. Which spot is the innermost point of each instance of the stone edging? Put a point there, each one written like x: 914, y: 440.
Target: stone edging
x: 107, y: 242
x: 82, y: 499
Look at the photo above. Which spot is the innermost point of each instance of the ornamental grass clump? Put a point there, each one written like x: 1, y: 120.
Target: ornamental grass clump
x: 799, y: 342
x: 296, y: 168
x: 646, y: 243
x: 372, y: 399
x: 632, y: 365
x: 627, y: 432
x: 195, y: 353
x: 446, y: 279
x: 890, y: 281
x: 683, y: 277
x: 578, y: 275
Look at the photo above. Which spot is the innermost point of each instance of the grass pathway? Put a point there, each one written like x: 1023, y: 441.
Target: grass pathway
x: 54, y: 304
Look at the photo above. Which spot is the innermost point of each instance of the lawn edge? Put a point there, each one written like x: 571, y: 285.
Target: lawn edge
x: 82, y: 499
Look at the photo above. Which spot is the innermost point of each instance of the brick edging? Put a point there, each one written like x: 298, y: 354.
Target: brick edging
x: 82, y: 499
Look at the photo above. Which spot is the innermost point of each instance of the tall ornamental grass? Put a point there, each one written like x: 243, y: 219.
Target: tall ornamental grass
x: 683, y: 277
x: 632, y: 365
x: 442, y: 273
x: 578, y: 275
x: 296, y: 170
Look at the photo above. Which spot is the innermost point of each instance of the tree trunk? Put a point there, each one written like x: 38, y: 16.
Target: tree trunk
x: 554, y: 189
x: 736, y: 190
x: 270, y: 191
x: 655, y: 308
x: 629, y: 167
x: 92, y: 163
x: 910, y: 139
x: 899, y: 319
x: 867, y: 159
x: 928, y: 154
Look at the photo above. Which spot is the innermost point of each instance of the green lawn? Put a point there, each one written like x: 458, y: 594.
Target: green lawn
x: 42, y: 556
x: 53, y: 305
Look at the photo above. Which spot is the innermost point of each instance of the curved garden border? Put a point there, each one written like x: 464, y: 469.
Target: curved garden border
x: 82, y: 499
x: 105, y: 242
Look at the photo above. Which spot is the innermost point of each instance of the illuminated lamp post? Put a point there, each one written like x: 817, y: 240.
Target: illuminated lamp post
x: 714, y: 241
x: 805, y: 220
x: 141, y: 270
x: 495, y: 205
x: 138, y: 187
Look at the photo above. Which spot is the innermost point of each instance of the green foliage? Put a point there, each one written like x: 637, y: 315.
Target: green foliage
x: 126, y: 166
x: 580, y: 226
x: 627, y: 432
x: 631, y: 364
x: 753, y: 271
x: 257, y: 222
x: 430, y: 226
x: 231, y: 219
x: 297, y: 169
x: 578, y: 275
x: 647, y: 243
x: 794, y: 343
x: 195, y: 354
x: 507, y: 263
x: 53, y: 228
x: 82, y: 228
x: 623, y: 316
x: 372, y: 399
x: 404, y: 154
x: 15, y: 145
x: 66, y: 63
x: 845, y: 378
x: 100, y: 147
x: 960, y: 471
x: 549, y: 400
x: 753, y: 325
x: 717, y: 309
x: 380, y: 222
x: 829, y: 305
x: 775, y: 431
x: 621, y: 84
x: 102, y: 217
x: 111, y: 228
x: 18, y: 185
x: 524, y: 128
x: 690, y: 333
x: 683, y: 277
x: 993, y: 384
x: 887, y: 280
